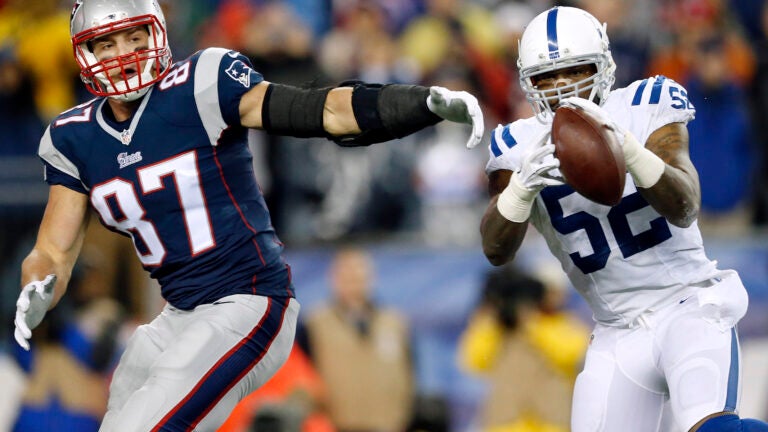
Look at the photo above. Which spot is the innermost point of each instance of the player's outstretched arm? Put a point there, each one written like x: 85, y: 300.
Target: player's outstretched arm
x: 45, y: 272
x: 358, y: 114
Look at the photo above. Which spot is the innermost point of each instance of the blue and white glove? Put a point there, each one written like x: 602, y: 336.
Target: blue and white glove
x: 536, y: 173
x: 644, y: 165
x: 460, y: 107
x: 33, y: 303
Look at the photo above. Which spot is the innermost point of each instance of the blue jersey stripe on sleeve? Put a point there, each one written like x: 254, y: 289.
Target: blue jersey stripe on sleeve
x: 656, y: 92
x: 508, y: 139
x: 505, y: 136
x: 639, y: 93
x: 495, y: 146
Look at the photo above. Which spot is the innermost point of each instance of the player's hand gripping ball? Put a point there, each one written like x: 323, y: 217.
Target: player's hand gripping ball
x: 591, y: 159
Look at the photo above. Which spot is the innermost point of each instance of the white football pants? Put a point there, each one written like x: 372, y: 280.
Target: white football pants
x: 682, y: 360
x: 186, y: 370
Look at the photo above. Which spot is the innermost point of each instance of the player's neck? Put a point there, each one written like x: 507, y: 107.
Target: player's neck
x: 123, y: 110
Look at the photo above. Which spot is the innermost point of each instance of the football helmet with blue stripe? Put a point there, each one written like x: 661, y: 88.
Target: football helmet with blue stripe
x: 559, y: 38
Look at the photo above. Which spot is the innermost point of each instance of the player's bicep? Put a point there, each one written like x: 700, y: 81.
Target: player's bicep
x: 670, y: 143
x: 251, y: 105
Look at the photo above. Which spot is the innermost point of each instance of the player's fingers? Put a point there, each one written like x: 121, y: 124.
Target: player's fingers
x: 21, y: 340
x: 40, y: 290
x: 478, y: 125
x: 543, y: 139
x: 21, y: 325
x: 542, y: 151
x: 49, y: 281
x: 22, y: 304
x: 437, y: 95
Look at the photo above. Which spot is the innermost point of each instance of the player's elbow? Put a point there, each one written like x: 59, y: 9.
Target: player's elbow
x: 496, y: 254
x: 688, y: 213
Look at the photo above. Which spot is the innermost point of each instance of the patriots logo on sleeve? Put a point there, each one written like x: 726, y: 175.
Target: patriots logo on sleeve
x: 240, y: 72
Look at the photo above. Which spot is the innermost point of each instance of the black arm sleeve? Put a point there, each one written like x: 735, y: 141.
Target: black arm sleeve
x: 383, y: 112
x: 294, y: 111
x: 386, y: 112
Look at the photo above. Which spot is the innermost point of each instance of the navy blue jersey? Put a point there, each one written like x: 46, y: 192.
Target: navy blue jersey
x: 178, y: 179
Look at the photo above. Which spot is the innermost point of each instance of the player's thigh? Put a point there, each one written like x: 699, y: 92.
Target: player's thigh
x: 702, y: 365
x: 211, y: 359
x: 256, y: 377
x: 619, y: 388
x: 144, y: 347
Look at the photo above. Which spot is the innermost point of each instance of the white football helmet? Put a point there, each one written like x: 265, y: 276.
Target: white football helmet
x: 560, y: 38
x: 95, y: 18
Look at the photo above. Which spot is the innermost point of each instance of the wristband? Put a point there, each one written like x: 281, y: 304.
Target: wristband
x: 644, y: 165
x: 515, y: 201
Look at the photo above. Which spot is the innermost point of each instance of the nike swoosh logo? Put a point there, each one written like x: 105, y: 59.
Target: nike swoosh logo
x: 681, y: 301
x: 222, y: 302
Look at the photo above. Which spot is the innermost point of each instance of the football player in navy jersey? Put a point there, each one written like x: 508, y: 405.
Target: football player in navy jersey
x: 664, y: 352
x: 161, y: 155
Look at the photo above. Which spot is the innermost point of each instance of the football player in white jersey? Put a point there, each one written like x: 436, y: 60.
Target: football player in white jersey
x: 161, y: 154
x: 665, y: 337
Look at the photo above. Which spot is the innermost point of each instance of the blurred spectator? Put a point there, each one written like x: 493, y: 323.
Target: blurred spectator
x: 362, y: 351
x: 510, y: 18
x: 450, y: 31
x: 450, y: 182
x: 39, y: 31
x: 361, y: 47
x: 69, y: 365
x: 120, y: 274
x: 68, y: 373
x: 688, y: 21
x: 720, y: 137
x: 628, y: 23
x: 398, y: 12
x: 18, y: 112
x: 451, y: 186
x: 527, y: 347
x: 458, y: 35
x: 759, y: 108
x: 14, y: 383
x: 290, y: 401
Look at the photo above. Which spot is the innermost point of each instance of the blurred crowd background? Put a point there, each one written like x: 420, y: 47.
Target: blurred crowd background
x: 412, y: 207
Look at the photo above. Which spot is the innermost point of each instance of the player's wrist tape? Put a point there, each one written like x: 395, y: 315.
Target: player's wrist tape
x: 294, y: 111
x: 645, y: 167
x: 515, y: 201
x: 386, y: 112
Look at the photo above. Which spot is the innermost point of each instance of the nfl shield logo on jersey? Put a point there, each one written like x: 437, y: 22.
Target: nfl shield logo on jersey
x: 125, y: 136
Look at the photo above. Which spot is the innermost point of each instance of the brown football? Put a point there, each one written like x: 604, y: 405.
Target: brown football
x: 591, y: 159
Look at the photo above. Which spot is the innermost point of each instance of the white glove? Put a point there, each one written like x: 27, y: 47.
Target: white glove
x: 460, y: 107
x: 644, y: 165
x: 516, y: 200
x: 33, y: 303
x: 536, y: 171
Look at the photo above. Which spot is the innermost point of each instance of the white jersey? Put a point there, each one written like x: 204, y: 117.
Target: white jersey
x: 627, y: 259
